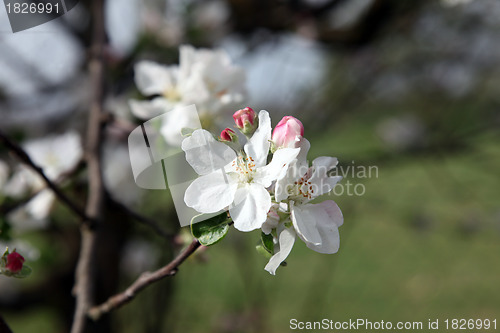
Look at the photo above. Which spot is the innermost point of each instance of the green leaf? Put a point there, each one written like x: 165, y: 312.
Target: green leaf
x: 260, y: 249
x: 210, y: 230
x: 267, y: 242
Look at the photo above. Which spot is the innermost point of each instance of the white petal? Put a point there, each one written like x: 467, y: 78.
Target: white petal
x: 324, y: 163
x: 211, y: 193
x: 174, y: 121
x: 304, y: 220
x: 295, y: 171
x: 277, y: 167
x: 320, y: 181
x: 258, y: 145
x: 286, y: 241
x: 55, y: 154
x: 304, y: 146
x: 324, y: 218
x: 205, y: 154
x: 251, y: 204
x: 154, y: 79
x: 146, y: 110
x: 333, y: 211
x: 39, y: 207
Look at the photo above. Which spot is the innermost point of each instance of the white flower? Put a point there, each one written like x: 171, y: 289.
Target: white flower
x: 55, y: 155
x: 316, y: 224
x: 204, y: 77
x: 240, y: 184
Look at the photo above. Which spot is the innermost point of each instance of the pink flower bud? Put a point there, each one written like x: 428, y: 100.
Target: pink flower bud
x: 228, y: 135
x: 285, y: 133
x: 246, y: 120
x: 14, y: 262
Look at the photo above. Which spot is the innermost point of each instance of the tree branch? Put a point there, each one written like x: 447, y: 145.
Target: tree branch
x: 146, y: 279
x: 142, y: 219
x: 84, y: 285
x: 24, y: 157
x: 4, y: 328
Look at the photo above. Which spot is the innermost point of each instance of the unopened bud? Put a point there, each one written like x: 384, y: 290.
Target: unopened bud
x: 246, y: 120
x: 228, y: 135
x: 15, y: 262
x: 287, y: 132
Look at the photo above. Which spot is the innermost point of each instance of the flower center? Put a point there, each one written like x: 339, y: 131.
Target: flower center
x: 245, y: 167
x: 302, y: 189
x: 172, y: 94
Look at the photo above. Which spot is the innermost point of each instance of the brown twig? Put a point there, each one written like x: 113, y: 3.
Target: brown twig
x: 146, y: 279
x: 4, y: 328
x: 9, y: 207
x: 143, y: 219
x: 84, y: 277
x: 24, y: 157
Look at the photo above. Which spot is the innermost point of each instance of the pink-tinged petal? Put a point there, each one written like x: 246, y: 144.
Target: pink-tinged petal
x: 325, y: 218
x: 205, y: 154
x: 333, y: 211
x: 258, y: 145
x: 288, y: 132
x: 154, y: 79
x: 277, y: 167
x: 211, y: 193
x: 286, y: 241
x: 251, y: 204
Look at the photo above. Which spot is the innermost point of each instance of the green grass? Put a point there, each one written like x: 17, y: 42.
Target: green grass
x: 422, y: 243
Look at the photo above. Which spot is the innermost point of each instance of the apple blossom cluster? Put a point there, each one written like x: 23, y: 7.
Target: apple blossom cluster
x: 265, y: 184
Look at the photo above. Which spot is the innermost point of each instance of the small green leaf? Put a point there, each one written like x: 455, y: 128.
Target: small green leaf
x: 267, y: 242
x: 210, y: 230
x: 260, y: 249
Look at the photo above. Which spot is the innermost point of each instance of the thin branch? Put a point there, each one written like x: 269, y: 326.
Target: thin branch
x: 84, y: 284
x: 146, y: 279
x: 4, y: 328
x: 142, y: 219
x: 5, y: 209
x: 24, y: 157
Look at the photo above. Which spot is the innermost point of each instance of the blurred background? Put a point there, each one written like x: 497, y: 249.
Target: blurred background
x: 409, y: 87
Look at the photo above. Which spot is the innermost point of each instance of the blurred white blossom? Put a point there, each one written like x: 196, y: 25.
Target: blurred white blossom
x: 205, y: 78
x: 4, y: 173
x: 55, y: 155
